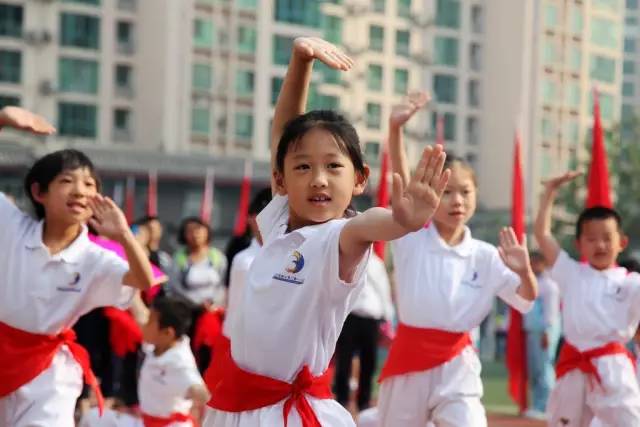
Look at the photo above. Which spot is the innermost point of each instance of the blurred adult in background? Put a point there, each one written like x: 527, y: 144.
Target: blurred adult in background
x: 156, y: 255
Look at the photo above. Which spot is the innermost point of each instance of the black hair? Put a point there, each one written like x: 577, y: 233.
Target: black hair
x: 147, y: 219
x: 334, y: 123
x: 48, y: 167
x: 260, y: 201
x: 596, y: 213
x: 182, y: 238
x: 173, y: 312
x: 631, y: 264
x: 453, y: 160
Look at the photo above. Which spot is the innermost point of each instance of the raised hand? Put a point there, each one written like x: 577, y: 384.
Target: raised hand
x: 415, y: 204
x: 401, y: 113
x: 310, y: 48
x: 108, y: 220
x: 514, y: 255
x: 556, y: 182
x: 21, y: 119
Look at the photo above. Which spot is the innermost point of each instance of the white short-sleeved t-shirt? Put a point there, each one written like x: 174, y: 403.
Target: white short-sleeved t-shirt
x: 44, y: 294
x: 237, y: 277
x: 165, y: 380
x: 294, y: 303
x: 598, y: 307
x: 450, y: 287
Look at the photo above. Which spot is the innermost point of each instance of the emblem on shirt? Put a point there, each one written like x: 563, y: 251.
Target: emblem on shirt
x: 159, y: 376
x: 472, y: 281
x: 295, y: 266
x: 71, y: 286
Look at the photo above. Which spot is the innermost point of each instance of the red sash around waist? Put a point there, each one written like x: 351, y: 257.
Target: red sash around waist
x: 571, y: 358
x: 151, y: 421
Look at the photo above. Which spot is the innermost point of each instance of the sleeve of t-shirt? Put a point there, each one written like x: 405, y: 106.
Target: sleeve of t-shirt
x: 564, y: 271
x: 507, y: 283
x: 183, y: 377
x: 272, y: 216
x: 107, y: 288
x: 634, y: 299
x: 10, y: 218
x: 339, y: 288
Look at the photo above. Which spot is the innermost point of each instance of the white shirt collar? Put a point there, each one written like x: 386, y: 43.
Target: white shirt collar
x: 435, y: 242
x: 71, y: 254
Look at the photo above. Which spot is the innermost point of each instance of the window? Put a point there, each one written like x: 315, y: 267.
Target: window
x: 448, y: 13
x: 572, y: 132
x: 629, y: 45
x: 404, y: 8
x: 577, y: 20
x: 276, y: 84
x: 372, y: 152
x: 244, y: 125
x: 200, y: 121
x: 376, y: 38
x: 282, y: 49
x: 11, y: 18
x: 201, y: 76
x: 477, y: 23
x: 247, y: 40
x: 549, y: 51
x: 78, y: 75
x: 628, y: 89
x: 401, y: 81
x: 551, y: 15
x: 203, y: 36
x: 446, y: 51
x: 446, y: 88
x: 378, y: 6
x: 606, y: 105
x: 549, y: 89
x: 605, y: 33
x: 128, y: 5
x: 374, y: 77
x: 474, y: 93
x: 402, y: 42
x: 329, y: 75
x: 573, y: 95
x: 328, y: 102
x: 475, y: 57
x: 301, y: 12
x: 632, y: 4
x: 333, y: 29
x: 603, y: 69
x: 80, y: 31
x: 575, y: 59
x: 121, y: 124
x: 10, y: 66
x: 125, y: 37
x: 77, y: 120
x: 629, y: 67
x: 247, y: 4
x: 8, y: 100
x: 374, y: 115
x: 473, y: 130
x: 244, y: 83
x: 607, y: 5
x: 124, y: 80
x: 449, y: 125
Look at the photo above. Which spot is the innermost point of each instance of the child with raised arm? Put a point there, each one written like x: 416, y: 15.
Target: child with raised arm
x: 307, y: 276
x: 446, y: 283
x: 595, y: 379
x: 50, y: 275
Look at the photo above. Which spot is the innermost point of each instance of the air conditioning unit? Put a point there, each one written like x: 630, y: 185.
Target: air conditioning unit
x: 46, y: 88
x: 36, y: 37
x: 421, y: 20
x: 356, y: 8
x: 422, y: 58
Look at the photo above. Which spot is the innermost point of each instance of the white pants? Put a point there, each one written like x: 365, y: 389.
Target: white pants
x: 448, y: 396
x: 578, y: 401
x: 328, y: 411
x: 49, y: 400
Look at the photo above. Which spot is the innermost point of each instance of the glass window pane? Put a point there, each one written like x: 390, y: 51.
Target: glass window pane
x: 302, y: 12
x: 628, y: 89
x: 575, y: 59
x: 333, y: 29
x: 10, y: 66
x: 577, y: 19
x: 77, y: 120
x: 446, y: 88
x: 244, y: 83
x: 244, y: 125
x: 201, y: 121
x: 282, y: 49
x: 202, y: 76
x: 374, y: 115
x: 612, y: 6
x: 404, y: 8
x: 374, y: 77
x: 376, y: 38
x: 573, y: 95
x: 603, y: 69
x: 11, y: 19
x: 378, y: 5
x: 203, y: 35
x: 9, y: 100
x: 78, y: 75
x: 401, y: 81
x: 403, y: 42
x: 276, y: 84
x: 551, y: 13
x: 247, y: 40
x: 629, y: 67
x: 605, y: 33
x: 80, y: 31
x: 446, y: 51
x: 448, y: 13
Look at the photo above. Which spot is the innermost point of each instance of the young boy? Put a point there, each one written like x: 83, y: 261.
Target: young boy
x: 170, y: 387
x: 601, y: 308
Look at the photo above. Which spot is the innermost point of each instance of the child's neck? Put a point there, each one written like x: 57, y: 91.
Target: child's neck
x: 160, y: 349
x: 451, y: 236
x: 57, y: 237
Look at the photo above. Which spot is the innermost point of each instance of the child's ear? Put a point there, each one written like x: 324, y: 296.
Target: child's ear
x: 361, y: 181
x: 37, y: 195
x: 624, y: 241
x: 278, y: 179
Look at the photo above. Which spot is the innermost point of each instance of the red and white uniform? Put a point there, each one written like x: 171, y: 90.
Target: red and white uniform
x: 164, y: 383
x: 443, y: 292
x: 43, y: 295
x: 601, y: 311
x: 290, y: 315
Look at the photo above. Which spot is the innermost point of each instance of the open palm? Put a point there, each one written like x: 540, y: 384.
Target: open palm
x: 560, y: 180
x: 19, y: 118
x: 316, y: 48
x: 414, y: 205
x: 514, y: 254
x: 401, y: 113
x: 108, y: 220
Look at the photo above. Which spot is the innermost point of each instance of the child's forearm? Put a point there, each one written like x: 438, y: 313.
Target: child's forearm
x: 198, y: 394
x: 547, y: 243
x: 397, y: 153
x: 528, y: 288
x: 140, y: 274
x: 375, y: 224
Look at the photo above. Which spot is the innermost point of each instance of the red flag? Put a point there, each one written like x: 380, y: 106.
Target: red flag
x: 243, y: 204
x: 152, y: 194
x: 129, y: 201
x: 206, y: 206
x: 383, y: 194
x: 516, y: 358
x: 598, y: 182
x: 440, y: 130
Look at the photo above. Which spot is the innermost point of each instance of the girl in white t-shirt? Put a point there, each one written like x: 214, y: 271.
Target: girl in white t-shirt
x: 306, y: 277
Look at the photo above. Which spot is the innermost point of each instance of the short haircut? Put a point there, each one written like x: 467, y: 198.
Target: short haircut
x: 630, y: 264
x: 596, y: 213
x: 48, y: 167
x: 173, y: 312
x: 260, y: 201
x: 182, y: 238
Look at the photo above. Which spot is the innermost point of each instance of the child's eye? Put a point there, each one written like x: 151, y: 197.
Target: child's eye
x: 447, y: 192
x: 65, y: 180
x: 334, y: 165
x: 90, y: 184
x: 301, y: 167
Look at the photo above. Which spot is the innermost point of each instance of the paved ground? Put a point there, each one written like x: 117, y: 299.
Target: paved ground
x: 511, y: 421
